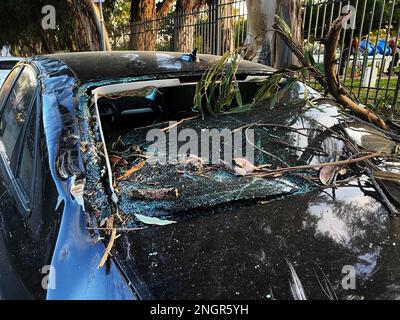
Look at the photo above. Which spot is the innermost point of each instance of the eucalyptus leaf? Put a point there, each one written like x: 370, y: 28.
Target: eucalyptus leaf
x: 153, y: 220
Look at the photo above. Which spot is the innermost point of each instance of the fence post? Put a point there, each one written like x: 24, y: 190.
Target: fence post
x: 216, y: 36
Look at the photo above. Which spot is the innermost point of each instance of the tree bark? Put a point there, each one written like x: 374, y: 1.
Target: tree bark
x: 263, y: 46
x: 290, y: 11
x: 143, y: 14
x: 144, y: 23
x: 186, y: 25
x: 227, y: 27
x: 259, y: 40
x: 85, y: 26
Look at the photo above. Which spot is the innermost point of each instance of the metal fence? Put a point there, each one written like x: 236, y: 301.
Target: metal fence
x: 214, y: 28
x: 368, y: 53
x: 367, y: 58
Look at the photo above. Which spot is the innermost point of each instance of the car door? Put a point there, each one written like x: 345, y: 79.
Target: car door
x: 23, y: 175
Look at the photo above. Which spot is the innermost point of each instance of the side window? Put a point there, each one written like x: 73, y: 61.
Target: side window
x: 16, y: 109
x: 27, y: 157
x: 5, y: 89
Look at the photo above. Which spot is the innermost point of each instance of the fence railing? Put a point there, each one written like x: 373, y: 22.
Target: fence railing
x: 367, y: 53
x: 214, y: 28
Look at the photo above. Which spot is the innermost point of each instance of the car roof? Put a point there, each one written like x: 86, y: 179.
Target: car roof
x: 10, y: 58
x: 94, y: 66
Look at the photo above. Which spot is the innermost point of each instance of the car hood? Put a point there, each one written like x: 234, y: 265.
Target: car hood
x: 337, y: 243
x: 302, y: 246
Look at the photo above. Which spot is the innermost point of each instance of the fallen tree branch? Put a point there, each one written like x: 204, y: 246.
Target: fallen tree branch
x: 330, y: 68
x: 331, y: 81
x: 156, y: 194
x: 319, y: 165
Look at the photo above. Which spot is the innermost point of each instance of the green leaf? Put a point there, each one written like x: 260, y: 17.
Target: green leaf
x: 320, y: 67
x: 274, y: 98
x: 283, y: 25
x: 153, y: 221
x: 238, y: 96
x: 243, y: 108
x: 309, y: 57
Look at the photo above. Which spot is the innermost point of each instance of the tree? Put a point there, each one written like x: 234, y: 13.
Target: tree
x: 85, y: 20
x: 227, y: 25
x: 186, y: 22
x: 144, y: 15
x: 263, y: 45
x: 21, y: 25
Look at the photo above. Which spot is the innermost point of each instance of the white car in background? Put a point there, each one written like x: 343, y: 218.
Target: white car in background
x: 6, y: 64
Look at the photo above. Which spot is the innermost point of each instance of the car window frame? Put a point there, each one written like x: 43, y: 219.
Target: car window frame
x: 11, y: 167
x: 20, y: 67
x: 34, y: 110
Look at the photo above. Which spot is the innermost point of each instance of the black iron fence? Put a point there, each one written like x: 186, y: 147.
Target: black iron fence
x: 368, y: 51
x: 367, y: 55
x: 214, y: 28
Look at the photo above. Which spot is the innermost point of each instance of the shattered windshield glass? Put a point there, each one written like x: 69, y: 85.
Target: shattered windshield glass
x: 158, y: 173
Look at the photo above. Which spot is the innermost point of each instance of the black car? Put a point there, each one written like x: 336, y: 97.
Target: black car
x: 86, y: 215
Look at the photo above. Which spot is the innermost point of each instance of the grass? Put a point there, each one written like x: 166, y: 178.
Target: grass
x: 385, y: 105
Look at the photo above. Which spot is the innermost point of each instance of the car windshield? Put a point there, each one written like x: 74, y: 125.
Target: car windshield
x: 176, y: 176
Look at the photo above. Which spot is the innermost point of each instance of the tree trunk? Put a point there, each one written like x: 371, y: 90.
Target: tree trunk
x: 144, y: 22
x: 226, y: 26
x: 143, y: 35
x: 186, y: 21
x: 263, y: 46
x: 290, y: 11
x: 85, y: 26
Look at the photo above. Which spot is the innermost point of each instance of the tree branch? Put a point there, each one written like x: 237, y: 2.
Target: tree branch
x: 331, y: 80
x: 164, y: 7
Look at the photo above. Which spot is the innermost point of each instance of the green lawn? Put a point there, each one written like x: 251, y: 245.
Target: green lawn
x: 385, y: 104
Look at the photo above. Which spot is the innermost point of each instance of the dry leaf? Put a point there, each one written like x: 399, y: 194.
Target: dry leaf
x: 83, y: 146
x: 240, y: 171
x: 226, y: 165
x: 109, y: 224
x: 193, y: 160
x: 117, y: 160
x: 132, y: 170
x: 327, y: 175
x: 108, y: 249
x: 245, y: 164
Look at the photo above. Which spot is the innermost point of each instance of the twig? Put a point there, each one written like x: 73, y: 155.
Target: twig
x: 117, y: 229
x: 389, y: 205
x: 319, y: 165
x: 108, y: 249
x: 132, y: 170
x: 178, y: 123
